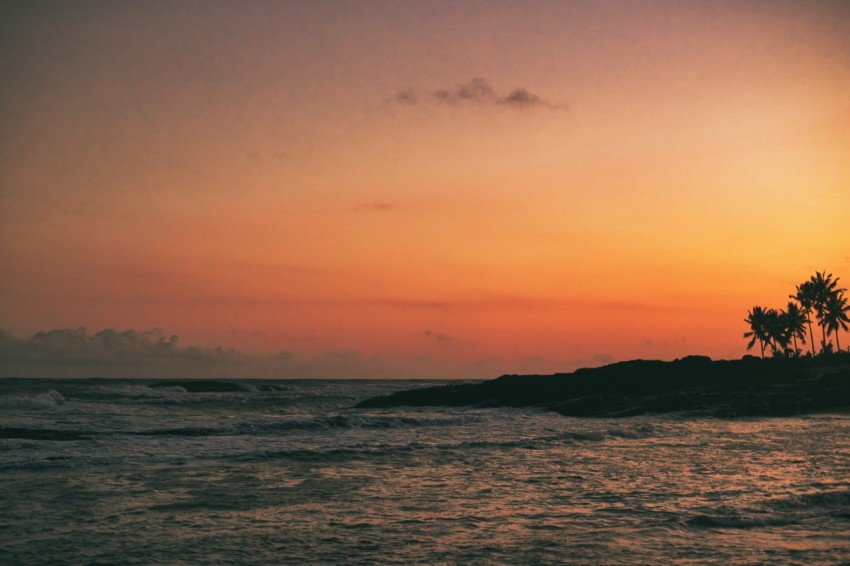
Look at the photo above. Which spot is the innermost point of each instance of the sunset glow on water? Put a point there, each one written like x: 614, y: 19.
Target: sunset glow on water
x: 287, y: 472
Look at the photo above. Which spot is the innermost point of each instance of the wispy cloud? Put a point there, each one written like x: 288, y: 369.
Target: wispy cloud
x: 438, y: 337
x: 407, y: 96
x: 602, y: 358
x: 477, y: 91
x: 408, y: 304
x: 375, y: 207
x: 632, y: 307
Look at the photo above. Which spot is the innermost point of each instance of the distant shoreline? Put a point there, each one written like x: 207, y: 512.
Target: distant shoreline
x: 693, y: 385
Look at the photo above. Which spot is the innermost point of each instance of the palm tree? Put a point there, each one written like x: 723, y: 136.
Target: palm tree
x: 777, y: 331
x: 823, y: 287
x: 758, y: 331
x: 795, y: 323
x: 835, y: 315
x: 805, y: 295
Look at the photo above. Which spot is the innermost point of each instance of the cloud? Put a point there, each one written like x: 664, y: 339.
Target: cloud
x: 603, y: 359
x: 149, y: 354
x: 107, y: 347
x: 375, y: 206
x: 649, y: 342
x: 437, y: 337
x: 407, y: 304
x: 521, y: 98
x: 631, y: 307
x: 407, y: 96
x: 478, y: 91
x: 76, y: 353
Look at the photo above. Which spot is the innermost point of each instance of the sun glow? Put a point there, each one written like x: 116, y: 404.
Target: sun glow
x: 286, y: 184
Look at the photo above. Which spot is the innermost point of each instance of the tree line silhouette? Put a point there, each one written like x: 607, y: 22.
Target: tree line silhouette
x: 820, y: 299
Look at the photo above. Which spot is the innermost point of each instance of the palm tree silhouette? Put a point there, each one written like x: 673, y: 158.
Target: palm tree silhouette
x: 805, y: 295
x: 835, y: 315
x: 777, y: 331
x: 823, y: 287
x: 757, y: 320
x: 795, y: 323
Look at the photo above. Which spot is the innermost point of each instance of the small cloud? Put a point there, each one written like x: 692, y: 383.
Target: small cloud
x: 521, y: 98
x: 478, y: 91
x: 602, y: 359
x: 631, y: 307
x: 407, y: 96
x: 408, y: 304
x: 437, y: 337
x: 661, y: 344
x: 249, y: 333
x: 344, y: 356
x: 375, y: 206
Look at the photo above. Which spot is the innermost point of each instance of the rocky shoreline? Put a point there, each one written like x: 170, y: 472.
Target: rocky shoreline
x: 694, y: 385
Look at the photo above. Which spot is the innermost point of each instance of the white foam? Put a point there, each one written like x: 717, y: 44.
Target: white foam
x: 47, y: 401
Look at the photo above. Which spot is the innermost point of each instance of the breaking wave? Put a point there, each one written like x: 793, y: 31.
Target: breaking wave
x: 783, y: 511
x: 44, y: 401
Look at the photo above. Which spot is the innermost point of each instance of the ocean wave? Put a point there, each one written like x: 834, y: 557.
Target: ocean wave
x: 353, y: 422
x: 372, y: 452
x: 781, y: 511
x: 590, y: 436
x: 216, y: 386
x: 602, y: 435
x: 636, y: 433
x: 328, y: 455
x: 377, y: 451
x: 42, y: 434
x: 735, y: 520
x: 245, y: 428
x: 48, y: 400
x: 137, y: 390
x: 838, y: 500
x: 391, y: 421
x: 203, y: 386
x: 39, y: 464
x: 184, y: 431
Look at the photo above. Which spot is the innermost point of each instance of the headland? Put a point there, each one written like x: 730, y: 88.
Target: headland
x: 695, y: 385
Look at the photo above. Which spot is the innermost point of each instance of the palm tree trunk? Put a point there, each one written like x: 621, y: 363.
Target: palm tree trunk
x: 796, y: 353
x: 823, y: 344
x: 811, y: 337
x: 837, y: 344
x: 761, y: 344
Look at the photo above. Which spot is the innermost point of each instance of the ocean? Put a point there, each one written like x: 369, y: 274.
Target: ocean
x: 287, y: 472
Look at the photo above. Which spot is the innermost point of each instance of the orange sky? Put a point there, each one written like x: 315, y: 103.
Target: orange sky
x: 623, y: 179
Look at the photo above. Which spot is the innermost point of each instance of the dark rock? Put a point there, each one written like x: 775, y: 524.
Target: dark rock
x: 724, y: 388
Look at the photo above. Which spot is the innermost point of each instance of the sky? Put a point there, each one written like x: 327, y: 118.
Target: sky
x: 411, y: 189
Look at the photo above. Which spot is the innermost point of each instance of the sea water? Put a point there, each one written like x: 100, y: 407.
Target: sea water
x: 287, y: 472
